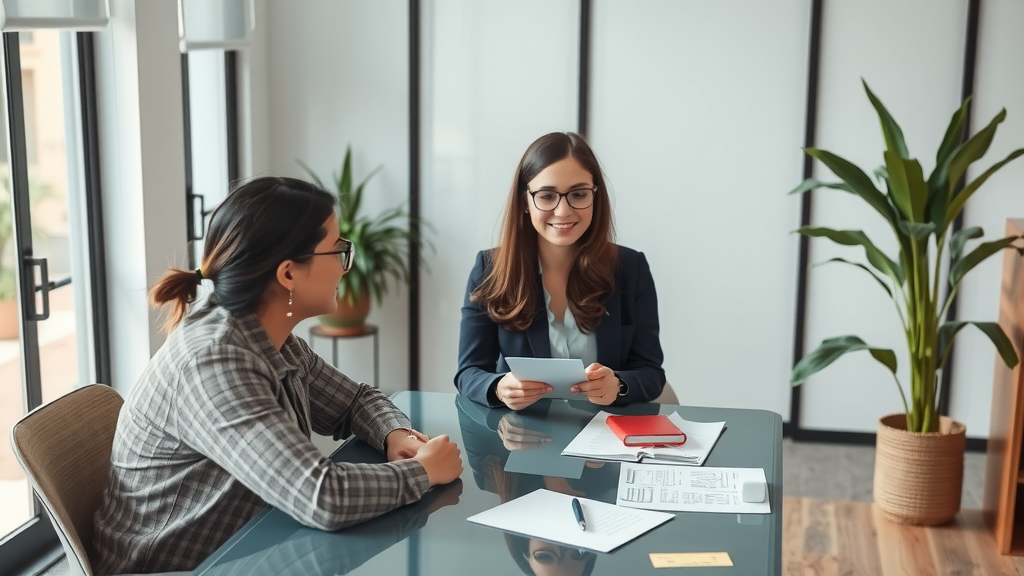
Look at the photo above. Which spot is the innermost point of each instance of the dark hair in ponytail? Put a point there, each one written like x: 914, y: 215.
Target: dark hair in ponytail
x: 262, y: 223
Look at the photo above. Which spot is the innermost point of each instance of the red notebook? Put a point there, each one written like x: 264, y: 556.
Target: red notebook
x: 646, y: 430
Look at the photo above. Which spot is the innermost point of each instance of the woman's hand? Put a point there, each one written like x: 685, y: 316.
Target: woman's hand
x: 517, y: 437
x: 518, y: 394
x: 601, y: 387
x: 404, y: 444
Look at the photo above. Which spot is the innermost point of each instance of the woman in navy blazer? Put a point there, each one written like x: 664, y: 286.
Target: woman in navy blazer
x: 595, y: 298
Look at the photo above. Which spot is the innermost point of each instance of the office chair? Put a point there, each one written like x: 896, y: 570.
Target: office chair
x: 668, y: 396
x: 64, y: 448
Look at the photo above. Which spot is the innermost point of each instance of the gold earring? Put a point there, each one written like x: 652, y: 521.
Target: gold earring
x: 289, y: 314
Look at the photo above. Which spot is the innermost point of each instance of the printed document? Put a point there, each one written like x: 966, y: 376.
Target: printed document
x: 548, y: 515
x: 559, y: 373
x: 688, y: 489
x: 597, y: 441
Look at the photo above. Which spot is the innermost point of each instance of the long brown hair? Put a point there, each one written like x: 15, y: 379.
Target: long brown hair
x: 509, y: 291
x: 262, y: 223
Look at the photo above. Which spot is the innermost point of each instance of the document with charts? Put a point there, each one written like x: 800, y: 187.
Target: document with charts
x: 688, y: 489
x: 597, y: 442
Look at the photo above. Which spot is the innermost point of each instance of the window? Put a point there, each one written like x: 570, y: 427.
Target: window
x: 52, y: 304
x: 211, y: 137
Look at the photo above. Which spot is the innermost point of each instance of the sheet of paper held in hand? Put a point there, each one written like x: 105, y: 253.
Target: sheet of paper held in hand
x: 688, y: 489
x: 548, y: 515
x: 559, y: 373
x: 597, y: 441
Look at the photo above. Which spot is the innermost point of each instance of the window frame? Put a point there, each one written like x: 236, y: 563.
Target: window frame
x: 34, y: 546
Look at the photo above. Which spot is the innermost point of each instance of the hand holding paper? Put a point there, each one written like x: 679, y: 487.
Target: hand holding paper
x: 601, y: 386
x: 518, y: 394
x: 558, y: 374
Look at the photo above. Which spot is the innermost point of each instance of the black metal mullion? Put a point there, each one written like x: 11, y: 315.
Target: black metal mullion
x: 414, y: 193
x: 810, y: 132
x: 190, y: 219
x: 94, y: 207
x: 22, y: 219
x: 583, y: 105
x: 966, y: 90
x: 31, y: 548
x: 231, y: 102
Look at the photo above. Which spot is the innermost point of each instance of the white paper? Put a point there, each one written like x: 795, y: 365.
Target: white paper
x: 688, y: 489
x: 559, y: 373
x: 597, y: 441
x: 548, y: 515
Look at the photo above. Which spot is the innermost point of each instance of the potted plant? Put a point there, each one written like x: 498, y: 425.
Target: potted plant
x: 919, y: 457
x: 381, y: 245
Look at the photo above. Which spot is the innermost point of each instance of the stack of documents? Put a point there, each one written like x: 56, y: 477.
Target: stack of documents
x: 597, y: 441
x: 690, y: 489
x: 548, y: 515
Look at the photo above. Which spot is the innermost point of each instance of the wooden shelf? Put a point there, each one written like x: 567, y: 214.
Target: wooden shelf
x: 1004, y: 479
x: 1017, y: 544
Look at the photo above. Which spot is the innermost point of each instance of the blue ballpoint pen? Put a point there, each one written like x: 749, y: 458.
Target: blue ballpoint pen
x: 577, y: 509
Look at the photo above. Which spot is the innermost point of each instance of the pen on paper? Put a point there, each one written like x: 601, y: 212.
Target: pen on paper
x: 577, y: 509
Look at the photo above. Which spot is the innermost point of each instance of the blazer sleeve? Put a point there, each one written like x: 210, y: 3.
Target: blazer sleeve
x: 477, y: 376
x: 643, y: 373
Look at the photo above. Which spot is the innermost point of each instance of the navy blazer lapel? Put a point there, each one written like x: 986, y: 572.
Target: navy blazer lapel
x: 537, y: 333
x: 609, y: 331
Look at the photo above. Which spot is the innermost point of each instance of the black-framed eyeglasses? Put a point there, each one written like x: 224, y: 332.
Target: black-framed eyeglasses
x: 346, y: 254
x: 548, y: 200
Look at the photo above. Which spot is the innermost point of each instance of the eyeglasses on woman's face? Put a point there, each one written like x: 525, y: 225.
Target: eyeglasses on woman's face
x: 548, y: 200
x: 346, y: 253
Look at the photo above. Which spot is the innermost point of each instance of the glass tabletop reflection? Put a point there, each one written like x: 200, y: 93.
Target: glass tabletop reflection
x: 505, y: 455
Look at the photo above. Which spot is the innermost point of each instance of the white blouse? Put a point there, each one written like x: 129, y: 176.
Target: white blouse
x: 567, y: 341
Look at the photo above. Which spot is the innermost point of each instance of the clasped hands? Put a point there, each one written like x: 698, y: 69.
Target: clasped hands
x: 439, y: 456
x: 601, y: 387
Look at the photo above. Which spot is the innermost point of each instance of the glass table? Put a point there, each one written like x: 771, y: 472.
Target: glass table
x: 502, y: 459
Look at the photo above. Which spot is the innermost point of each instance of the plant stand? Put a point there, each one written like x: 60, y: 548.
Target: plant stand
x: 368, y: 330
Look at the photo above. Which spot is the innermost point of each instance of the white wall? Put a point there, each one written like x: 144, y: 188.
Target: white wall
x: 998, y: 85
x: 697, y: 113
x: 337, y: 74
x: 914, y: 64
x: 489, y: 90
x: 699, y: 125
x: 142, y: 170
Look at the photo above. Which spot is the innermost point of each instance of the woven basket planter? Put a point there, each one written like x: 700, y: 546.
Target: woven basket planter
x: 919, y: 477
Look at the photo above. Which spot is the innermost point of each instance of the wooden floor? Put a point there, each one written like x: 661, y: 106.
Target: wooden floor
x: 843, y: 538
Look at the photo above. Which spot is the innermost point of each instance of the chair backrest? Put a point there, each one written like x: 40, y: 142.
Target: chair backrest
x: 668, y: 396
x: 64, y: 447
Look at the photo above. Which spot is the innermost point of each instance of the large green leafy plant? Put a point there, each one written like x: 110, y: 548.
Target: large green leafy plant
x: 920, y: 213
x: 381, y: 242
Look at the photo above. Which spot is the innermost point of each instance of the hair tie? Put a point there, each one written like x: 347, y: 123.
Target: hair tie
x: 199, y: 273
